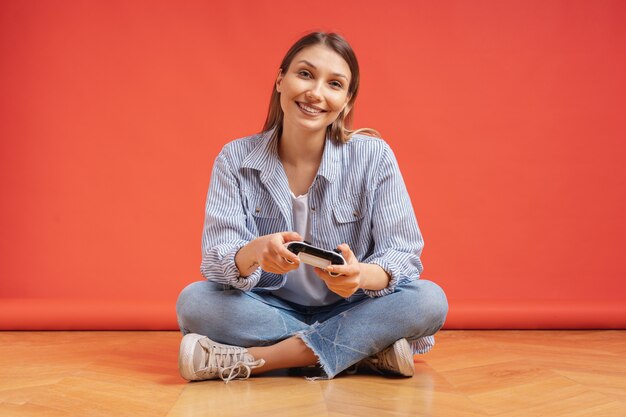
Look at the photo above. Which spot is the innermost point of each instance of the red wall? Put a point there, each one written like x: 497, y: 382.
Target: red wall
x: 507, y: 119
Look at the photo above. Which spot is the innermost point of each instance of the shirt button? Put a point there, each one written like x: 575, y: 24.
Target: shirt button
x: 312, y: 208
x: 257, y: 210
x: 355, y: 213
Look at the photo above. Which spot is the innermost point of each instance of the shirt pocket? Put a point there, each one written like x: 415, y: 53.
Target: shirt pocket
x: 264, y: 213
x: 348, y: 211
x: 351, y: 224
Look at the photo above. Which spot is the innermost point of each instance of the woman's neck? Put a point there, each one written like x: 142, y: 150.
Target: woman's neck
x: 297, y: 147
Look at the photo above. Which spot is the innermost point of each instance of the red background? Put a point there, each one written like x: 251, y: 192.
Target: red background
x: 507, y: 118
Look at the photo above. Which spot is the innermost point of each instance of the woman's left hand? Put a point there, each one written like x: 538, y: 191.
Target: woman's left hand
x: 349, y: 281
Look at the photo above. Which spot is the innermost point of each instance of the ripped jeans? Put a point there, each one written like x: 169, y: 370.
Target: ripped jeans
x: 339, y: 334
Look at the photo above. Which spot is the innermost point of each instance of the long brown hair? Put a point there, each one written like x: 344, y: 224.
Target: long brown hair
x: 339, y: 130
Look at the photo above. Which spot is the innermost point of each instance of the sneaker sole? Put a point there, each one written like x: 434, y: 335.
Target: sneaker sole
x: 404, y: 355
x: 185, y: 356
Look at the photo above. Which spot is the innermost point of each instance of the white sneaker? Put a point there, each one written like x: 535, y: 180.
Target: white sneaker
x: 201, y: 358
x: 397, y: 359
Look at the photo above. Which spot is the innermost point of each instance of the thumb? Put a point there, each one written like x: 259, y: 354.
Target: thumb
x: 346, y: 252
x: 291, y: 237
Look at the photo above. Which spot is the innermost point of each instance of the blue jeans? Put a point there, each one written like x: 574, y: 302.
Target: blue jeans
x: 340, y: 334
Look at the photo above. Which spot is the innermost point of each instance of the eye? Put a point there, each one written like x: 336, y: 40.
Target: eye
x: 304, y: 73
x: 336, y: 84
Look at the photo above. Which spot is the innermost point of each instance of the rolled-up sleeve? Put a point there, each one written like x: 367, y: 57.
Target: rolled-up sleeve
x: 225, y: 230
x: 397, y: 239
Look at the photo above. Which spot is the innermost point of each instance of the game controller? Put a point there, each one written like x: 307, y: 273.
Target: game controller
x: 314, y: 256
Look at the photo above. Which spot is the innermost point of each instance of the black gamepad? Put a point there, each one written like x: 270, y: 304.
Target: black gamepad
x: 314, y: 256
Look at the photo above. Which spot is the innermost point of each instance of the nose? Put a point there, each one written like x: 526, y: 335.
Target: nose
x: 314, y: 93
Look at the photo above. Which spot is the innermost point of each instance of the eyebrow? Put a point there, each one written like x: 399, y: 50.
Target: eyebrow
x: 337, y: 74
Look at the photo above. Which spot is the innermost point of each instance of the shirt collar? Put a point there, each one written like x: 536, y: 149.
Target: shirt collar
x: 331, y: 160
x: 264, y: 157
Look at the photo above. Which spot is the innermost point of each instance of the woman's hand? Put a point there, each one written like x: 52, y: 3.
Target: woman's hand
x: 270, y: 253
x: 349, y: 281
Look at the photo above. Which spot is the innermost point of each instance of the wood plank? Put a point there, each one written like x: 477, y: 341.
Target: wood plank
x: 469, y: 373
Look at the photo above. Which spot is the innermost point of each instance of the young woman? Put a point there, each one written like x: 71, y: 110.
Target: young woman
x: 307, y: 177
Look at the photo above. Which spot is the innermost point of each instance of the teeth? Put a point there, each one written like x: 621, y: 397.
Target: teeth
x: 309, y: 109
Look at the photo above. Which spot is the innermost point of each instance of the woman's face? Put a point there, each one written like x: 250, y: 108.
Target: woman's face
x: 314, y: 90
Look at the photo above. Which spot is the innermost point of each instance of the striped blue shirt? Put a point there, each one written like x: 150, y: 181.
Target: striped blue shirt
x: 358, y: 197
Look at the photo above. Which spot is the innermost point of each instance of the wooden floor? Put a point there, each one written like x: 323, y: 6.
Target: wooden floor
x: 469, y: 373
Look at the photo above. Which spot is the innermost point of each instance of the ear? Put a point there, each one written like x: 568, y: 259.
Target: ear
x: 279, y: 80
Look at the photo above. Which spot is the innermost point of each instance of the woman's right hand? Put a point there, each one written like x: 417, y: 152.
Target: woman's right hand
x: 270, y: 253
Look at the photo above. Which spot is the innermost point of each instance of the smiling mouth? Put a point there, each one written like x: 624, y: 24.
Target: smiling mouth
x: 308, y: 109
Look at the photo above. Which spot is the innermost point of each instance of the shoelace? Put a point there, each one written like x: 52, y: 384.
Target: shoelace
x: 378, y: 361
x: 235, y: 372
x: 229, y: 362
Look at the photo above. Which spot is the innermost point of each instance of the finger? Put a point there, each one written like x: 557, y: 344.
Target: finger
x: 276, y: 267
x: 322, y: 274
x: 291, y: 237
x: 332, y: 283
x: 345, y: 269
x: 282, y: 252
x: 346, y: 252
x: 288, y: 256
x: 288, y: 264
x: 338, y: 270
x: 329, y: 276
x: 291, y: 265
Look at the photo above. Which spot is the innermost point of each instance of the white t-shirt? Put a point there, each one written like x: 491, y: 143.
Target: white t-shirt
x: 303, y: 286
